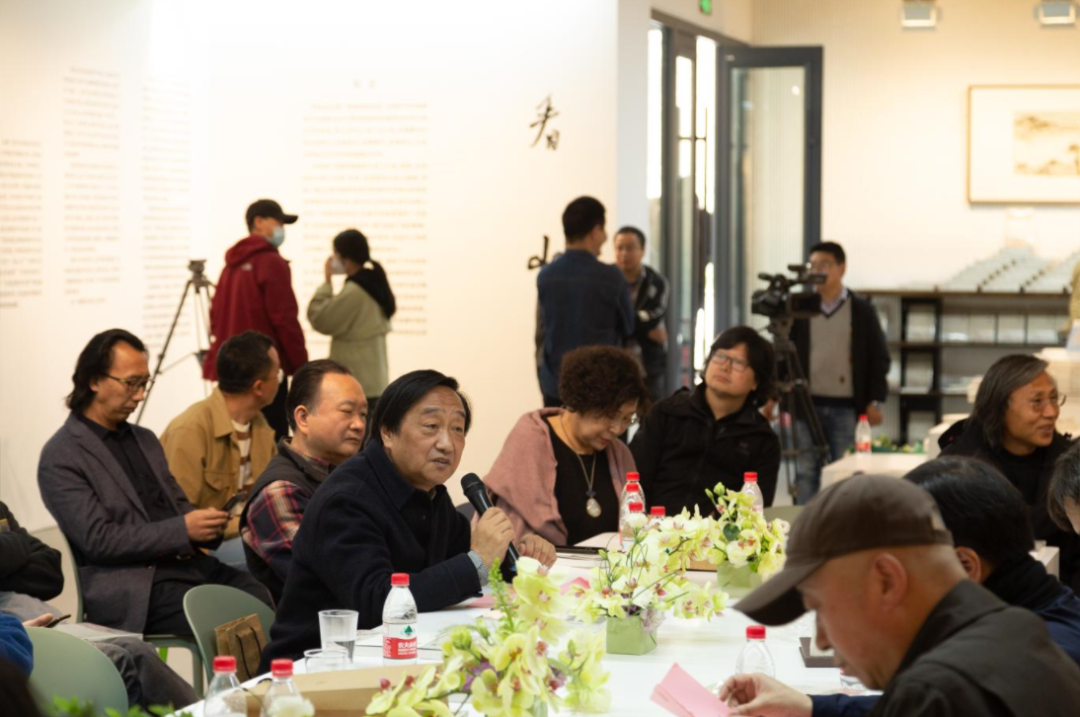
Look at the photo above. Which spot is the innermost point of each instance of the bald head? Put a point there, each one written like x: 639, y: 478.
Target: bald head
x: 870, y: 604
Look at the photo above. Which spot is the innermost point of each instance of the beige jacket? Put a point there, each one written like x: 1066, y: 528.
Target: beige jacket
x: 204, y: 456
x: 358, y: 327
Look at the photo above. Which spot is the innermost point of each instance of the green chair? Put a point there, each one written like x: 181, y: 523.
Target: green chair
x: 784, y: 512
x: 209, y: 606
x: 162, y: 642
x: 66, y: 666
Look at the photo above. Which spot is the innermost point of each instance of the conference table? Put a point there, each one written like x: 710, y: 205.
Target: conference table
x: 707, y: 650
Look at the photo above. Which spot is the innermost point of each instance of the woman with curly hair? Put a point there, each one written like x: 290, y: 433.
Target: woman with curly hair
x: 561, y: 470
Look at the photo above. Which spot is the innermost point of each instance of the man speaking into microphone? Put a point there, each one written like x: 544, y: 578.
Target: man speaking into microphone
x: 387, y: 511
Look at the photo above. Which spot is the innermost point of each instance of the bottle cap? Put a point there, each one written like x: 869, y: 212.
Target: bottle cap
x: 633, y: 476
x: 399, y: 580
x: 225, y: 663
x: 281, y: 668
x: 755, y: 632
x: 863, y: 418
x: 636, y: 507
x: 657, y: 511
x: 749, y: 477
x: 633, y: 488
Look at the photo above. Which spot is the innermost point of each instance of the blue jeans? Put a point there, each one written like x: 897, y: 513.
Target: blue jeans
x: 838, y: 424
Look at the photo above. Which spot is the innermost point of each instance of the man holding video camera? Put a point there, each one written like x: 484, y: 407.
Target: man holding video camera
x: 846, y: 358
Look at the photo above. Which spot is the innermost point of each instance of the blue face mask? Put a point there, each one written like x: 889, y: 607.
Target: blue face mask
x: 278, y: 237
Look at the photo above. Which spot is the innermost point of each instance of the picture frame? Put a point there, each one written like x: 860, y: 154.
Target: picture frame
x: 1023, y: 144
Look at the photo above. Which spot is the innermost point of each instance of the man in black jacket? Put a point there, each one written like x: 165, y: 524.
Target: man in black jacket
x: 846, y: 359
x: 387, y: 511
x: 649, y: 294
x: 895, y: 605
x: 713, y: 433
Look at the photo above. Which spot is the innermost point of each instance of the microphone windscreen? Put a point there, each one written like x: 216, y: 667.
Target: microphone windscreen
x: 471, y: 482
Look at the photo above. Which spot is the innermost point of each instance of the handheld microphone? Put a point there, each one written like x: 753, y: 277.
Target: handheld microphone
x: 477, y: 495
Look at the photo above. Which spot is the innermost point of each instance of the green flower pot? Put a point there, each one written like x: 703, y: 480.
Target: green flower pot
x: 628, y: 637
x: 736, y: 582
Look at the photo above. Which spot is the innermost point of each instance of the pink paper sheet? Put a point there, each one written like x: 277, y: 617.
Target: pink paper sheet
x: 682, y: 695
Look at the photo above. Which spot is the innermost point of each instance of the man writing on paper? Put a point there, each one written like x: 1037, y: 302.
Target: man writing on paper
x: 872, y: 557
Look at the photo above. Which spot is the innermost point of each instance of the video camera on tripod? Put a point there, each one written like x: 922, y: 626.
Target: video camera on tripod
x: 778, y: 301
x: 783, y: 306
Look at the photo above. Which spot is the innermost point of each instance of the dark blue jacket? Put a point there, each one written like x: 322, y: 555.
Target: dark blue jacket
x: 1062, y: 618
x: 362, y: 525
x: 583, y: 302
x: 15, y: 644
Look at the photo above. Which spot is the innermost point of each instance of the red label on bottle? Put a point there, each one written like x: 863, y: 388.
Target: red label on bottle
x: 862, y: 447
x: 399, y: 642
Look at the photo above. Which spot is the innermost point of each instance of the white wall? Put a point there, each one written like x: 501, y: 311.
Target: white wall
x: 895, y: 127
x: 211, y: 105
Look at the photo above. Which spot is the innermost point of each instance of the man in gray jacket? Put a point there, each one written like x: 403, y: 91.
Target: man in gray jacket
x: 134, y: 535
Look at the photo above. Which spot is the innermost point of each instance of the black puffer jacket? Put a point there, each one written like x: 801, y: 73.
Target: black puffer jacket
x: 681, y: 449
x: 966, y: 438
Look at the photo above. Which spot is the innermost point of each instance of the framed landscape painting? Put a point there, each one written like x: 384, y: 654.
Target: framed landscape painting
x: 1024, y: 144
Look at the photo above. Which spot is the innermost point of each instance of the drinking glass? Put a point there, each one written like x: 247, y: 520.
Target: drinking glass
x: 337, y: 628
x: 326, y: 660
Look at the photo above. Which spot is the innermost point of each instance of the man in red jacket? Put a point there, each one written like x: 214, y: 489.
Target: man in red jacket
x: 255, y: 293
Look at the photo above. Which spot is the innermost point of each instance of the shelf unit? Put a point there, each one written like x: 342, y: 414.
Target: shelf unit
x: 929, y: 401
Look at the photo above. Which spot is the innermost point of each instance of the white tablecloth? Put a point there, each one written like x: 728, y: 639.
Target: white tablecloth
x: 707, y: 650
x: 896, y: 464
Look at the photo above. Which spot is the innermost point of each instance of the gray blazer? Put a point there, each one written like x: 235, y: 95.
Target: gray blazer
x: 114, y: 543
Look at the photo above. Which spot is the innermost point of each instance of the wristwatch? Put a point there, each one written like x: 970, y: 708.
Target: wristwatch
x: 481, y: 569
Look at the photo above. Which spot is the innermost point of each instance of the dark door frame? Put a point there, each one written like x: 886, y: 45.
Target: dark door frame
x: 729, y: 258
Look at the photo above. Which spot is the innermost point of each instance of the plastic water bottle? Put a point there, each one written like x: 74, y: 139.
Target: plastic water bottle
x: 751, y: 487
x: 755, y: 657
x: 656, y: 514
x: 631, y: 494
x: 632, y: 478
x: 399, y: 623
x: 224, y: 698
x: 283, y: 696
x: 863, y: 435
x: 635, y: 513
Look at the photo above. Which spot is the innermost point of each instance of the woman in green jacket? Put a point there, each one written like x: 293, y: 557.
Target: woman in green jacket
x: 358, y: 317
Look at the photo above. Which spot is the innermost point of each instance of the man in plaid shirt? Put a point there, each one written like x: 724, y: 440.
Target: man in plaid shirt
x: 327, y: 413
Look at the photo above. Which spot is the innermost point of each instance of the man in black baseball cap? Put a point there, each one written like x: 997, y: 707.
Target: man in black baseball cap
x: 872, y: 557
x: 255, y: 293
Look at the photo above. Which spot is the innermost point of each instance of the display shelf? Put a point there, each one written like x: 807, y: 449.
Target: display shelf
x: 913, y: 322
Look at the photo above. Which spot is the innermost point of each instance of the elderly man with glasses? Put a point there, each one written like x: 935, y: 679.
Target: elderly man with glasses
x: 712, y: 433
x: 1014, y: 428
x: 135, y: 537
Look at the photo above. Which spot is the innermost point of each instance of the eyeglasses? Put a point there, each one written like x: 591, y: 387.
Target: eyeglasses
x: 621, y: 424
x: 1038, y: 405
x: 134, y: 385
x: 722, y: 359
x: 821, y: 265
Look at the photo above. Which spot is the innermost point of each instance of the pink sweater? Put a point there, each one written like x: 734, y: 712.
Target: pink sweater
x: 522, y: 480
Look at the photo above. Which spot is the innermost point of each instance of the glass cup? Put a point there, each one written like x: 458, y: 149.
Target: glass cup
x: 326, y: 660
x: 337, y: 628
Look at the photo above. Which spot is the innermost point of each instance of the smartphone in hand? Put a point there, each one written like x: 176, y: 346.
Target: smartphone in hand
x: 234, y: 501
x: 57, y: 620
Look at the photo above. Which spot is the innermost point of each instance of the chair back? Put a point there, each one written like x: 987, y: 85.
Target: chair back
x: 72, y: 592
x: 209, y: 606
x: 65, y: 666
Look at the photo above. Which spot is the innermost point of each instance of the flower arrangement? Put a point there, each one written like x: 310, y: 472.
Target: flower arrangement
x: 508, y: 668
x: 740, y: 536
x: 640, y: 586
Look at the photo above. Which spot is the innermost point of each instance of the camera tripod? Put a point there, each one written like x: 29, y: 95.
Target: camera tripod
x: 794, y: 401
x: 201, y: 290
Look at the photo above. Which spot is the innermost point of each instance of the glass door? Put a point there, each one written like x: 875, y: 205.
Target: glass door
x: 687, y: 181
x: 769, y: 156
